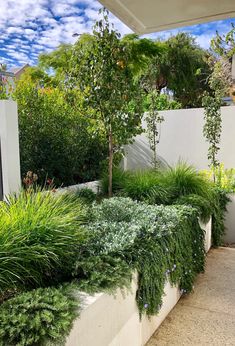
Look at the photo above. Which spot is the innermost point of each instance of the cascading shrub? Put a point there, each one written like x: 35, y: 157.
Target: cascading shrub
x: 157, y: 241
x: 181, y: 184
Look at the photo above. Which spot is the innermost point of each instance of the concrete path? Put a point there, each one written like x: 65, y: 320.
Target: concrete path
x: 206, y: 316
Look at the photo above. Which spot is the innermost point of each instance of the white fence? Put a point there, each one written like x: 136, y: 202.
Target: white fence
x: 10, y: 158
x: 182, y: 138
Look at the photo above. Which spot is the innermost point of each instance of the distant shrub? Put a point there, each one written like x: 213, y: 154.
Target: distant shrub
x: 39, y: 317
x: 56, y: 139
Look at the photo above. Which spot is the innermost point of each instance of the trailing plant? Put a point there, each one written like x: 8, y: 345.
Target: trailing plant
x: 153, y: 120
x: 40, y: 233
x: 220, y: 202
x: 213, y: 126
x: 202, y: 205
x: 157, y: 241
x: 38, y: 317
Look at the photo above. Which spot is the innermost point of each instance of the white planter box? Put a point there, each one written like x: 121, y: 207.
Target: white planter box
x: 114, y: 321
x: 230, y: 221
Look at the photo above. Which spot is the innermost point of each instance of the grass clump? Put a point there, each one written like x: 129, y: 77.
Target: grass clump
x: 39, y: 238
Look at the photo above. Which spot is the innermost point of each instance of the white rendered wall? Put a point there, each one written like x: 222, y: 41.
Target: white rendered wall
x: 108, y: 320
x: 182, y: 138
x: 9, y: 136
x: 230, y: 221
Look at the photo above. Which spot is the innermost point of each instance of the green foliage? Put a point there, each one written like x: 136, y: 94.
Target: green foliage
x: 110, y: 273
x: 203, y: 206
x: 57, y: 137
x: 39, y: 237
x: 185, y: 180
x: 157, y: 241
x: 224, y: 177
x: 213, y: 126
x: 86, y: 194
x: 163, y: 186
x: 153, y: 120
x: 108, y: 86
x: 40, y: 317
x: 224, y: 45
x: 177, y: 185
x: 119, y: 179
x: 161, y: 103
x: 220, y: 201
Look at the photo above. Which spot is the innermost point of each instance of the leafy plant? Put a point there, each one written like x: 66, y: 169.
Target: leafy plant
x: 213, y: 126
x: 203, y: 206
x: 86, y: 194
x: 160, y: 242
x: 186, y: 180
x: 224, y: 178
x: 39, y: 317
x: 108, y: 86
x: 153, y: 120
x: 39, y: 236
x: 69, y: 146
x: 119, y: 180
x: 220, y: 202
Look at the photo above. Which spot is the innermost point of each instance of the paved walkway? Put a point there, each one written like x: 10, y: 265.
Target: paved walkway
x: 207, y: 316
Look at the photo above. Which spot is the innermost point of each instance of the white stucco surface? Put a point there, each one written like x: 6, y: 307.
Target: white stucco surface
x: 230, y: 221
x: 182, y: 138
x: 9, y: 136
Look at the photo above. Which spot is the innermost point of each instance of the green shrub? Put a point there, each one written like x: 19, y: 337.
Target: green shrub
x: 139, y: 184
x: 66, y: 147
x: 119, y: 179
x: 185, y: 180
x: 86, y: 194
x: 38, y: 317
x: 39, y: 236
x: 110, y: 272
x: 203, y: 206
x: 220, y: 200
x: 157, y: 241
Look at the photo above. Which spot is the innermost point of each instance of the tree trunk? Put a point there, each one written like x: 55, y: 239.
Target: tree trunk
x: 110, y: 162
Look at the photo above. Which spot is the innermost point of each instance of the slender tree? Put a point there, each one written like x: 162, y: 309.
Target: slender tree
x: 101, y: 71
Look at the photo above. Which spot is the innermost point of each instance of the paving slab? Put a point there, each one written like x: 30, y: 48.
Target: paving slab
x: 207, y: 315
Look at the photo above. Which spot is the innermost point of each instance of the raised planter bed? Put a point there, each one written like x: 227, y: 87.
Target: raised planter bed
x: 108, y: 320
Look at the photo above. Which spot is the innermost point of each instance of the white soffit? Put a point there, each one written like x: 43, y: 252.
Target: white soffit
x: 147, y: 16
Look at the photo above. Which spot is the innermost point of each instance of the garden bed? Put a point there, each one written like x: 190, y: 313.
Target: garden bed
x: 108, y: 320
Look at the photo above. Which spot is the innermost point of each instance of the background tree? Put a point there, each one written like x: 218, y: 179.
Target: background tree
x: 108, y: 86
x: 187, y: 84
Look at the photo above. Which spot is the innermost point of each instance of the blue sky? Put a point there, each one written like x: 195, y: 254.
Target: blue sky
x: 31, y: 27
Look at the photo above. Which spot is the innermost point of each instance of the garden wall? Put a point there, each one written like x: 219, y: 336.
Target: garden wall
x: 9, y: 147
x: 230, y: 221
x: 108, y: 320
x: 181, y: 138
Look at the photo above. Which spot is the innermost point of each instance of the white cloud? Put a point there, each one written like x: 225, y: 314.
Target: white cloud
x: 30, y: 27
